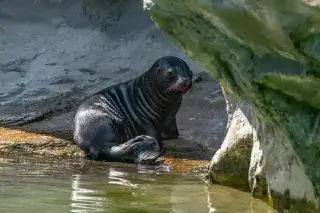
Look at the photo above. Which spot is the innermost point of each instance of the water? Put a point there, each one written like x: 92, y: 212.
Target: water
x: 36, y: 185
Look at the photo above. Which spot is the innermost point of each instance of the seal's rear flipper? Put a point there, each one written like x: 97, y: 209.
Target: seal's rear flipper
x: 148, y: 156
x: 146, y: 149
x: 143, y: 148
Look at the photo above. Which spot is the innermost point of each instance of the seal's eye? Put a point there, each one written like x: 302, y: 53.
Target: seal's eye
x: 170, y: 75
x: 170, y: 72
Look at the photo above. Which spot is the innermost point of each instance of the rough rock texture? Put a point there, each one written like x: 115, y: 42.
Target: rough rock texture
x: 276, y: 171
x: 267, y: 54
x: 253, y: 143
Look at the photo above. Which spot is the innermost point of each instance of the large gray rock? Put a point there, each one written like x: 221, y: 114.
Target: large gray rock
x: 266, y: 55
x: 255, y: 154
x: 55, y: 53
x: 229, y: 165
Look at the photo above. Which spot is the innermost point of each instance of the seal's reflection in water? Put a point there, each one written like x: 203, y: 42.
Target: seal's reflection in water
x: 86, y: 199
x: 103, y: 188
x: 117, y: 177
x: 83, y: 199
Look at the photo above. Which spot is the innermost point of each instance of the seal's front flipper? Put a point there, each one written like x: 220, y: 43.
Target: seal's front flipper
x: 170, y: 131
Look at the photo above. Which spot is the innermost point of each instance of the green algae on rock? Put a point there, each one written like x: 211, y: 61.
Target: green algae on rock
x: 267, y: 54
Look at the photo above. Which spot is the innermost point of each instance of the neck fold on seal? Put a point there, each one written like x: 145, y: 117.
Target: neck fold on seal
x: 153, y: 98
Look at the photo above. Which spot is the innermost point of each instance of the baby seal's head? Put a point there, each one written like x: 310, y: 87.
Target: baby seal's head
x: 173, y: 74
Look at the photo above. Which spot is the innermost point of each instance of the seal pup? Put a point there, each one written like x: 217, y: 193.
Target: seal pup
x: 134, y: 117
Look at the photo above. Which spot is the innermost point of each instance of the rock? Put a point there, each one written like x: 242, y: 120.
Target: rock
x: 276, y: 171
x: 229, y: 165
x: 266, y: 57
x: 103, y: 13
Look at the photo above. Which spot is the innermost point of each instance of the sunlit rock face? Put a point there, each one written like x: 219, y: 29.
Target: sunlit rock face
x: 266, y: 56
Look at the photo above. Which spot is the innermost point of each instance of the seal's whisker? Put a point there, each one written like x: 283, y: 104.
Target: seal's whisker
x: 174, y: 86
